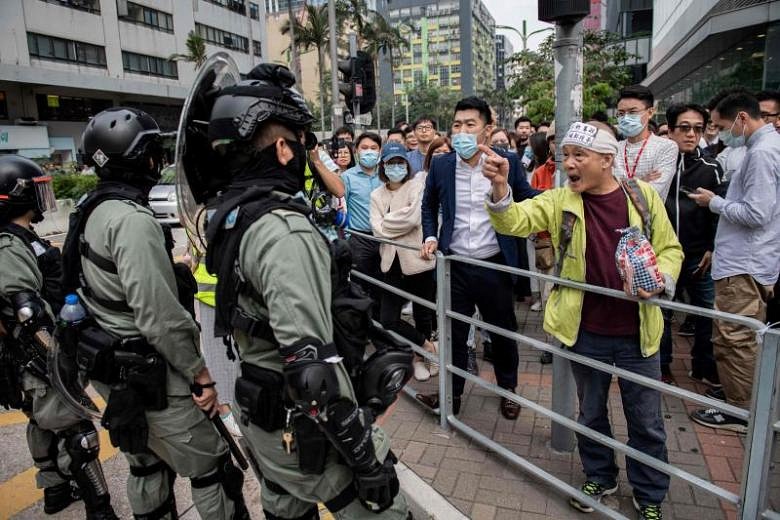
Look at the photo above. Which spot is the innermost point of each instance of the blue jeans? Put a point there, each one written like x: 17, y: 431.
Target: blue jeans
x: 701, y: 291
x: 641, y: 406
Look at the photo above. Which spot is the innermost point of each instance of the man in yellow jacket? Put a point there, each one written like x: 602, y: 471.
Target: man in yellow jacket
x: 613, y: 331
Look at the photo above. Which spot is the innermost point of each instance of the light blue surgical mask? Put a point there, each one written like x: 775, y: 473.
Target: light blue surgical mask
x: 369, y: 158
x: 395, y: 172
x: 465, y: 145
x: 731, y: 140
x: 630, y: 125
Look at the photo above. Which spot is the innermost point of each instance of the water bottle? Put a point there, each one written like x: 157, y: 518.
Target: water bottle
x: 72, y: 312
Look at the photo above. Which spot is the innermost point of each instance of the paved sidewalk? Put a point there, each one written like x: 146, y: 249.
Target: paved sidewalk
x: 476, y: 481
x: 485, y: 487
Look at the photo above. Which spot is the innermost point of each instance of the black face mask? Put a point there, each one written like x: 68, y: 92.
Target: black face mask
x: 268, y: 171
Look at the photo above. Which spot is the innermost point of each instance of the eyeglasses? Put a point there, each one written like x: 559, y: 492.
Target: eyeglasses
x: 698, y: 129
x: 632, y: 112
x: 424, y: 128
x: 769, y: 117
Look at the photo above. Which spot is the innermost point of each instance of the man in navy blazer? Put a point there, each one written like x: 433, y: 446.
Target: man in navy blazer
x: 456, y: 187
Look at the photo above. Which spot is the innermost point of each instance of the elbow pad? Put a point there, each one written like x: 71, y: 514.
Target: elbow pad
x: 309, y: 377
x: 30, y: 312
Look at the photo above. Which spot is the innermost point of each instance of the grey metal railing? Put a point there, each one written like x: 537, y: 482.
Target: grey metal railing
x: 763, y: 417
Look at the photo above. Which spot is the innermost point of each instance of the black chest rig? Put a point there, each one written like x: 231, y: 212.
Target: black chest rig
x: 49, y: 261
x: 353, y: 327
x: 76, y: 245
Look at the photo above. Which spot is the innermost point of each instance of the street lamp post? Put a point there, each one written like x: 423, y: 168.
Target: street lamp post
x: 524, y: 35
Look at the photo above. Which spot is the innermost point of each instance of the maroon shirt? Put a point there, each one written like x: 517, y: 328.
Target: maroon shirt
x: 603, y: 314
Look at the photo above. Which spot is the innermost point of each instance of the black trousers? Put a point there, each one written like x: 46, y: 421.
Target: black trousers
x: 420, y: 284
x: 365, y: 259
x: 492, y: 293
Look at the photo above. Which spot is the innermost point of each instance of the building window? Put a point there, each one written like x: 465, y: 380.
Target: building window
x: 153, y: 18
x: 59, y: 49
x: 3, y: 105
x: 149, y: 65
x: 257, y: 48
x: 254, y: 11
x: 418, y: 77
x: 65, y: 108
x: 237, y: 6
x: 90, y: 6
x: 223, y: 38
x: 444, y: 76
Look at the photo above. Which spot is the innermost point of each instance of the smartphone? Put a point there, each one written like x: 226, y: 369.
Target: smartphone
x: 687, y: 190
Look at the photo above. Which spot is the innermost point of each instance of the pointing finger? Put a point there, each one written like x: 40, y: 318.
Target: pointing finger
x: 487, y: 151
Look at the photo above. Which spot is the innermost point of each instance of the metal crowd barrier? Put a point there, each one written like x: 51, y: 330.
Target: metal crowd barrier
x: 763, y: 417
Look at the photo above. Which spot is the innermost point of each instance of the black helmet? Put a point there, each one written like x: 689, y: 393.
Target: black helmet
x: 119, y: 142
x: 24, y: 187
x: 266, y: 95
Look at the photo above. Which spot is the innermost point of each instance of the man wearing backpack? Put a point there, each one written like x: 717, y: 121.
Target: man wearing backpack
x: 141, y: 349
x: 299, y: 411
x: 63, y: 445
x: 588, y: 211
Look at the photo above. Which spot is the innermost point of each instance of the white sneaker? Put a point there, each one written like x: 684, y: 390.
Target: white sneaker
x: 230, y: 423
x: 537, y: 306
x: 420, y: 371
x: 407, y: 309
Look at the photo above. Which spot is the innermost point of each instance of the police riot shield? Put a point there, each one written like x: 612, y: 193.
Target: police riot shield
x: 196, y: 162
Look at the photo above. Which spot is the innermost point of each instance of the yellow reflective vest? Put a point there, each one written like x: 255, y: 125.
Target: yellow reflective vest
x: 207, y: 285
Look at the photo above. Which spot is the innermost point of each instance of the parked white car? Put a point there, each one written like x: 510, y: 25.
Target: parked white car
x: 162, y: 197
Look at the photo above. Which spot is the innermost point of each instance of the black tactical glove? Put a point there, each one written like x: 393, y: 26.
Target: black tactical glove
x: 125, y: 420
x: 377, y: 487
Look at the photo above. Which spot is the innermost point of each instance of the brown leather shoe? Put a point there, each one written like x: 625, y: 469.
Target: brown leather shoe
x: 432, y: 402
x: 509, y: 409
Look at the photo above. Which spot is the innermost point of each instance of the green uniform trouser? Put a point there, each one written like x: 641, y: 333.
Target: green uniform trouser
x: 184, y: 438
x: 48, y: 417
x: 305, y: 491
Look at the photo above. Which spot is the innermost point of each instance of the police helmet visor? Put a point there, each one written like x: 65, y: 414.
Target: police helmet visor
x: 43, y: 188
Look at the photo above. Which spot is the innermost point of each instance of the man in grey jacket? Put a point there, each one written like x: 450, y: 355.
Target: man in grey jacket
x: 746, y: 260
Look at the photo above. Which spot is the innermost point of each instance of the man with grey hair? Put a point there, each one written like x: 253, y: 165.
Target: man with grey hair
x: 616, y: 332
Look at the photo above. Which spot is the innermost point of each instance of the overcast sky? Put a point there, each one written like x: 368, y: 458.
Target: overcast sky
x: 512, y: 13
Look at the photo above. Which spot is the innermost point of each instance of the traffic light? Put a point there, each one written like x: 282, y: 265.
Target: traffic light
x: 358, y: 81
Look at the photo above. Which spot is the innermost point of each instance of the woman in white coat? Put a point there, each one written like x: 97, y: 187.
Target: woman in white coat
x: 395, y: 215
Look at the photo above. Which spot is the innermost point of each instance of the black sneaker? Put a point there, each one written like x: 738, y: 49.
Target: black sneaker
x: 595, y: 491
x: 546, y: 358
x: 719, y: 420
x: 648, y: 511
x: 710, y: 379
x: 716, y: 393
x: 687, y: 329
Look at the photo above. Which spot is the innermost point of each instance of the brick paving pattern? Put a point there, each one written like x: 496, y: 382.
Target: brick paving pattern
x: 485, y: 487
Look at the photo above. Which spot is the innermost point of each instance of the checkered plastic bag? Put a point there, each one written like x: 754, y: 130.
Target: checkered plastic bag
x: 636, y: 261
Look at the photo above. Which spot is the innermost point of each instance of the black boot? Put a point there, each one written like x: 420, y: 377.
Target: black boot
x: 56, y: 498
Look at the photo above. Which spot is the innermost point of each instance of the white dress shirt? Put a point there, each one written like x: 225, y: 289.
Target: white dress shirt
x: 473, y: 235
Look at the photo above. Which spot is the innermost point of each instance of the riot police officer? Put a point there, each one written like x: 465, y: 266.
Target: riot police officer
x: 63, y: 445
x: 142, y: 351
x: 299, y: 414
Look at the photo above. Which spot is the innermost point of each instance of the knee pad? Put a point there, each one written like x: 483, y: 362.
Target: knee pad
x: 82, y: 444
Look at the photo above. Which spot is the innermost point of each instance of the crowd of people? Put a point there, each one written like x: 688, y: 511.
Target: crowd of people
x: 700, y: 189
x: 709, y: 186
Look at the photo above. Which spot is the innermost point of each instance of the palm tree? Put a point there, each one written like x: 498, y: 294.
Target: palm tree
x: 384, y: 37
x: 356, y: 14
x: 196, y: 50
x: 313, y: 33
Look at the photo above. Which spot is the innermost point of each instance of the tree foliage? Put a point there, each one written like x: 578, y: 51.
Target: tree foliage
x: 196, y: 50
x: 604, y: 73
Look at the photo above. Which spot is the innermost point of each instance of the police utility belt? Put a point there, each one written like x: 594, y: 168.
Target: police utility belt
x: 119, y: 362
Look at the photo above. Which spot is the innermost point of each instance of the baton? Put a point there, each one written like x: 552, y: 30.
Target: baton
x: 224, y: 433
